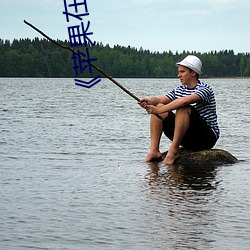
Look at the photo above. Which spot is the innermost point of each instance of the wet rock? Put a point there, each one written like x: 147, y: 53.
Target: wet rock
x: 205, y: 157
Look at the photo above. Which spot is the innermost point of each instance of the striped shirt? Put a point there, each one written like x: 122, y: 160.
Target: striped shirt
x: 206, y: 108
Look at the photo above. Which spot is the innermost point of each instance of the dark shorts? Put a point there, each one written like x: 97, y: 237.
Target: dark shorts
x: 199, y: 135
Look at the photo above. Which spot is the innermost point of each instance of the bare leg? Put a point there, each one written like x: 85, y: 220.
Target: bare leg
x: 155, y: 137
x: 181, y: 127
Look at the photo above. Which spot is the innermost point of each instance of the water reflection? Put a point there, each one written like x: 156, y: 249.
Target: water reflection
x: 183, y: 177
x: 183, y: 198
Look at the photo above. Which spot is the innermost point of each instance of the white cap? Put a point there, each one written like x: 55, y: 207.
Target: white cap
x: 191, y: 62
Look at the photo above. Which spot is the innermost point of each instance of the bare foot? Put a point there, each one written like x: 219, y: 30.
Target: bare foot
x: 170, y: 157
x: 153, y: 156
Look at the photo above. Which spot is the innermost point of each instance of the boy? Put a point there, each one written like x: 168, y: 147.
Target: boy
x: 194, y: 125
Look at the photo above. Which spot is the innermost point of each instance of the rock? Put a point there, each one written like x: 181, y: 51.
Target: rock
x: 213, y: 157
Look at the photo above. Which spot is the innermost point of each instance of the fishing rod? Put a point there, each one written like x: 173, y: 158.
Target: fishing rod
x: 93, y: 65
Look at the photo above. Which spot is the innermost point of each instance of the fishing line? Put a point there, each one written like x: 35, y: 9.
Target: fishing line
x: 45, y: 59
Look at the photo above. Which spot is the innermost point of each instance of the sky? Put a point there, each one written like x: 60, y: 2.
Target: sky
x: 155, y: 25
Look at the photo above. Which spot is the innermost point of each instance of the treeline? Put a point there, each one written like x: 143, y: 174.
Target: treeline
x: 41, y: 58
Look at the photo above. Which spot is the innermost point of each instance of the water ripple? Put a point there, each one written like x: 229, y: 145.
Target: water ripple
x: 72, y: 175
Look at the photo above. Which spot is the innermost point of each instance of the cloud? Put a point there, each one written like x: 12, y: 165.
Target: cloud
x: 147, y: 2
x: 222, y: 2
x: 225, y: 5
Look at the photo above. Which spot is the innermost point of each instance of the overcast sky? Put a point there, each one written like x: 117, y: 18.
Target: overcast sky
x: 157, y: 25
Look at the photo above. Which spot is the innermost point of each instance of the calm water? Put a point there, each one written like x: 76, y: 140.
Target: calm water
x: 72, y: 175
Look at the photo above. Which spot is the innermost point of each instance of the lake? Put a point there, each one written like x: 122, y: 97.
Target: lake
x: 72, y: 174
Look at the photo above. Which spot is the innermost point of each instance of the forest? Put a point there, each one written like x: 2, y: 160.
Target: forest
x: 41, y: 58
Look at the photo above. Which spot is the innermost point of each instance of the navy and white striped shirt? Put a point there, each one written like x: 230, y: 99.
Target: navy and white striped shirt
x: 206, y: 108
